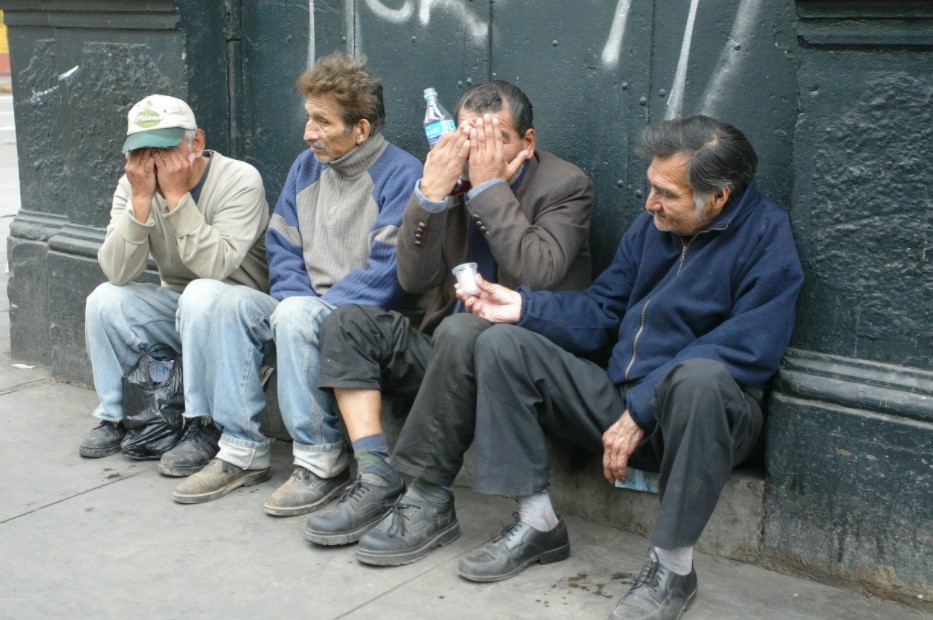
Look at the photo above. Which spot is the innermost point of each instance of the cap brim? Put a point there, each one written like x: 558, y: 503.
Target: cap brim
x: 154, y: 139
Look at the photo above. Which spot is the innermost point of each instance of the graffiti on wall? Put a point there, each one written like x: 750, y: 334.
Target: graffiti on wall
x: 740, y: 36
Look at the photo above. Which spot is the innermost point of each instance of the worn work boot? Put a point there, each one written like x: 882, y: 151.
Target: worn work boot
x: 305, y: 492
x: 413, y: 527
x: 103, y: 440
x: 197, y: 447
x: 658, y: 594
x: 513, y: 550
x: 216, y: 480
x: 359, y: 509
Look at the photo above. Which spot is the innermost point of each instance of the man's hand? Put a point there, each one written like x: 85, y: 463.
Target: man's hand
x: 486, y: 159
x: 619, y: 442
x: 444, y: 165
x: 494, y: 302
x: 174, y: 169
x: 140, y: 172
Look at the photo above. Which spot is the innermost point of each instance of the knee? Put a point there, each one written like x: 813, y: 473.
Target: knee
x: 103, y: 301
x: 459, y: 332
x: 298, y: 315
x: 199, y: 297
x: 501, y: 345
x: 697, y: 376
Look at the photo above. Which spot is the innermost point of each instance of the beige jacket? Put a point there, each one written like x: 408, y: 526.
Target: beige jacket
x: 220, y: 237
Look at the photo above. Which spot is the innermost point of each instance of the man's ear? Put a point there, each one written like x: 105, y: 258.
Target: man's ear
x: 361, y: 131
x: 529, y: 140
x: 199, y: 142
x: 717, y: 202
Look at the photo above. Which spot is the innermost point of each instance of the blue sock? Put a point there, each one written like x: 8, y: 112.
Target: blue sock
x: 372, y: 456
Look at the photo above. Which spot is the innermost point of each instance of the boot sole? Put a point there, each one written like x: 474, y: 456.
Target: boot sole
x: 292, y: 511
x: 183, y: 471
x: 441, y: 539
x: 96, y: 453
x: 244, y: 481
x: 333, y: 539
x: 547, y: 557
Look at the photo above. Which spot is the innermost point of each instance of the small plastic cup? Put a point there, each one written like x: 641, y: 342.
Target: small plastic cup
x: 466, y: 278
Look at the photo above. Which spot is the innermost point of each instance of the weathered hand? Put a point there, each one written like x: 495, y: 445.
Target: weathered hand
x: 619, y: 442
x: 140, y: 172
x: 487, y: 161
x: 174, y: 169
x: 494, y: 302
x: 444, y: 165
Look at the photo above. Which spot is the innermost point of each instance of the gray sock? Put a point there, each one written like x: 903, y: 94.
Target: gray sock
x: 536, y: 511
x: 678, y: 560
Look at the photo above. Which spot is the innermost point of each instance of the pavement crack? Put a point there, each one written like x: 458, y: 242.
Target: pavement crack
x: 70, y: 497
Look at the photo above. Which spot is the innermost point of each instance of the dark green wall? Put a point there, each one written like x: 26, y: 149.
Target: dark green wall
x: 834, y: 94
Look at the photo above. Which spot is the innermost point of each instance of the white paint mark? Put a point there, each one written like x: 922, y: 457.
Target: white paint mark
x: 67, y: 74
x: 746, y: 18
x: 395, y: 16
x: 23, y: 366
x: 312, y: 53
x: 613, y: 48
x: 36, y: 97
x: 676, y: 100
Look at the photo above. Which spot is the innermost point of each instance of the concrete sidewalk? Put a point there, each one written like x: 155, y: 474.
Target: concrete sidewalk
x: 103, y: 539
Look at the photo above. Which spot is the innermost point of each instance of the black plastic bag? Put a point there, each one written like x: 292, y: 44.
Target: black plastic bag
x: 153, y: 404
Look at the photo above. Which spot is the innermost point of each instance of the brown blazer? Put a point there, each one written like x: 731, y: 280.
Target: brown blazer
x: 539, y: 236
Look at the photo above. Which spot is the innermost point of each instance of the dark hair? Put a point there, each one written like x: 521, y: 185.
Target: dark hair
x: 489, y: 97
x: 720, y: 155
x: 348, y: 80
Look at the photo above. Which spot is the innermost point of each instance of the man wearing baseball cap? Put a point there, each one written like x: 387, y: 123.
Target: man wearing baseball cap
x: 202, y: 217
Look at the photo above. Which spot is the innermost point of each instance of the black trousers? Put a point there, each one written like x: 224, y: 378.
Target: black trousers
x: 531, y: 388
x: 370, y: 348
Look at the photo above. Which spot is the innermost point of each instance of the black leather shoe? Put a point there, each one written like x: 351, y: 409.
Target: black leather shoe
x: 657, y: 594
x: 518, y: 546
x: 360, y: 507
x: 103, y: 440
x: 413, y: 527
x: 195, y: 450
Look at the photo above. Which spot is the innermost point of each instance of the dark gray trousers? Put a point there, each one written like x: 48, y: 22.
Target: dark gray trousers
x: 530, y: 388
x: 371, y: 348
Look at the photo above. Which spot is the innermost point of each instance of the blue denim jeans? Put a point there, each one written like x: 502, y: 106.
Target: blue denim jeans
x: 251, y: 328
x: 121, y: 322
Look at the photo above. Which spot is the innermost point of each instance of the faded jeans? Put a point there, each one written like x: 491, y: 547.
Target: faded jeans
x: 121, y: 322
x: 251, y: 328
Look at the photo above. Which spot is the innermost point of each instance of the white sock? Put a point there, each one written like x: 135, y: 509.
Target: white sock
x: 536, y: 511
x: 677, y: 560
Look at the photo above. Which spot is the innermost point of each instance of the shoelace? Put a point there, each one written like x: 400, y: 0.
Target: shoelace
x: 648, y: 575
x: 510, y: 529
x: 397, y: 527
x: 192, y: 429
x: 355, y: 490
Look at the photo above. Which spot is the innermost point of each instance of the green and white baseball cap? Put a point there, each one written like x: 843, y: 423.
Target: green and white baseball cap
x: 158, y: 121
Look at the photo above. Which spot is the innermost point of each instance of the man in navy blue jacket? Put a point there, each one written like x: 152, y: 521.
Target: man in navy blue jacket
x: 698, y: 307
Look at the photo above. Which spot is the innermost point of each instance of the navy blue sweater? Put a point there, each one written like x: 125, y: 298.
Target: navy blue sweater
x: 726, y: 294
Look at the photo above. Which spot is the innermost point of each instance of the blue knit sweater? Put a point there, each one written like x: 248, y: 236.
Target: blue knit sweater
x: 334, y: 229
x: 726, y: 294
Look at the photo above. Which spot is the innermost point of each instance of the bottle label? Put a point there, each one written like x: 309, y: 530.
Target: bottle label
x: 437, y: 129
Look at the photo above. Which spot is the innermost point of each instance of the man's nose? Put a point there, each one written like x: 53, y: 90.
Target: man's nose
x: 311, y: 132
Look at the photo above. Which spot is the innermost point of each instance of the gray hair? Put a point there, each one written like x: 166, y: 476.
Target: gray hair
x: 189, y: 137
x: 720, y: 155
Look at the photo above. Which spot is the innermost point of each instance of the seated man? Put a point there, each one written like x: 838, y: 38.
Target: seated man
x: 331, y: 241
x: 698, y: 305
x: 526, y: 219
x: 200, y: 215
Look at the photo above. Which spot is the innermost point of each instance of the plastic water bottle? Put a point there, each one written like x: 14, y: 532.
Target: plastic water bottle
x: 437, y: 120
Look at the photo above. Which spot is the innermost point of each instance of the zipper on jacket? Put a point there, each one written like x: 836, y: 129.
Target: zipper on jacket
x: 641, y: 328
x: 683, y: 251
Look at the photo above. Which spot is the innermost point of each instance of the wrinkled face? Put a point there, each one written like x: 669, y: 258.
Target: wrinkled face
x: 670, y: 200
x: 325, y: 131
x: 512, y: 142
